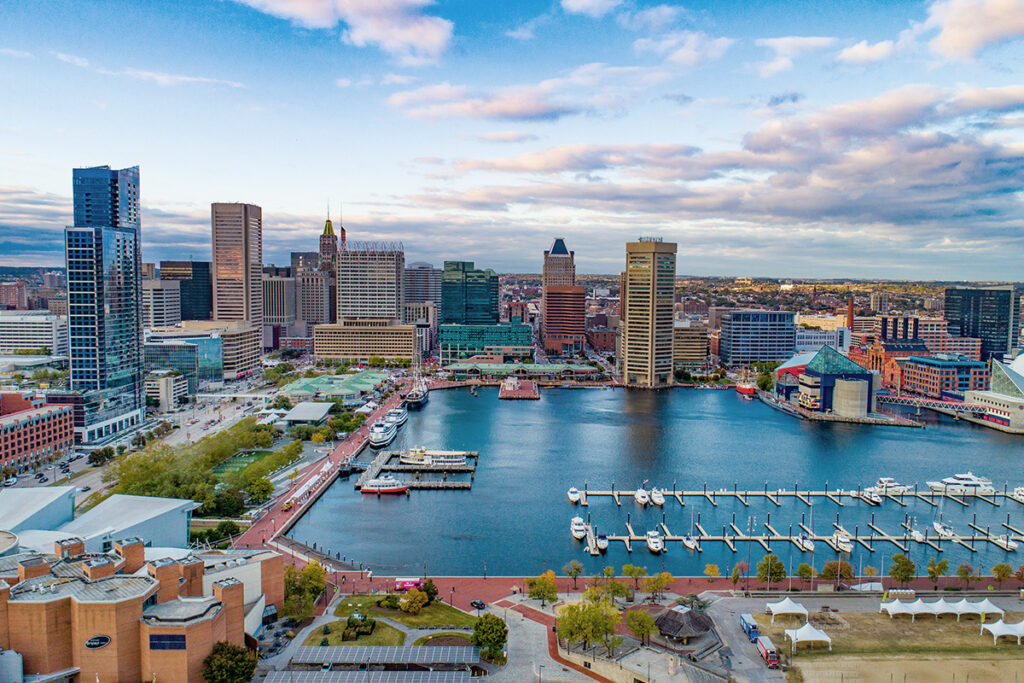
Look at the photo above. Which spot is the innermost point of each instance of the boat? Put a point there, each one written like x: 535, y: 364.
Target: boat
x: 806, y: 544
x: 945, y: 530
x: 655, y: 543
x: 417, y: 396
x: 383, y: 485
x: 887, y: 486
x: 1018, y: 494
x: 381, y: 434
x: 869, y: 496
x: 430, y: 458
x: 657, y: 497
x: 574, y: 495
x: 602, y: 542
x: 689, y: 542
x: 917, y: 535
x: 968, y: 484
x: 842, y: 541
x: 578, y: 528
x: 396, y: 416
x: 1005, y: 542
x: 745, y: 386
x: 641, y: 495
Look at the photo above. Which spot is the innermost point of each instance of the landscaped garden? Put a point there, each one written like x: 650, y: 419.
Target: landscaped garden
x: 355, y: 631
x: 432, y: 615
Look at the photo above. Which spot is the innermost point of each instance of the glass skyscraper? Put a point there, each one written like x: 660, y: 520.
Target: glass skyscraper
x: 196, y: 287
x: 469, y: 296
x: 987, y: 313
x: 104, y: 266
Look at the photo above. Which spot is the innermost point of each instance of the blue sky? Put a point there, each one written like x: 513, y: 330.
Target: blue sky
x: 857, y: 139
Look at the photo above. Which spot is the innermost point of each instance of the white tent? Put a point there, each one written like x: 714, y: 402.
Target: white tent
x: 808, y: 633
x: 964, y: 607
x: 1001, y: 628
x: 895, y: 607
x: 919, y: 606
x: 944, y: 607
x: 786, y: 606
x: 988, y: 607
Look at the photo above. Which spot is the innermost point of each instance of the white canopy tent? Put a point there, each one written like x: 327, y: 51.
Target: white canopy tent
x: 987, y: 607
x: 919, y: 606
x: 808, y: 633
x: 940, y: 607
x: 786, y: 606
x: 895, y: 607
x: 1001, y: 628
x: 964, y: 607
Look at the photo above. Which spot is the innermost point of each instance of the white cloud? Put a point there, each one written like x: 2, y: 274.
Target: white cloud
x: 166, y: 79
x: 864, y: 53
x: 657, y: 18
x: 968, y: 26
x: 591, y: 8
x: 787, y: 49
x: 441, y: 92
x: 397, y: 79
x: 343, y: 82
x: 398, y: 27
x: 17, y: 54
x: 72, y: 59
x: 506, y: 136
x: 526, y: 30
x: 685, y: 48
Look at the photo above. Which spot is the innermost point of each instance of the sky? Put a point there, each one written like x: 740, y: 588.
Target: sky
x: 783, y: 139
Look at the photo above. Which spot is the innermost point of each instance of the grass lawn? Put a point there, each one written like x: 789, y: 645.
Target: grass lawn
x: 382, y: 635
x: 239, y: 462
x: 444, y: 634
x: 434, y: 614
x: 876, y: 635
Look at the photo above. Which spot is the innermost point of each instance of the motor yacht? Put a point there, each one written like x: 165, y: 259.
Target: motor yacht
x: 968, y: 484
x: 602, y: 542
x: 657, y: 497
x: 642, y: 496
x: 381, y: 434
x: 945, y: 530
x: 1005, y: 542
x: 868, y: 495
x: 842, y: 541
x: 887, y: 486
x: 578, y: 528
x: 574, y: 495
x: 655, y: 543
x: 1018, y: 494
x: 917, y: 535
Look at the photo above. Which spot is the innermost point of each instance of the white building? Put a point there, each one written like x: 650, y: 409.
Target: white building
x: 169, y: 388
x: 30, y: 330
x: 157, y: 521
x: 161, y: 303
x: 813, y: 340
x: 370, y: 281
x: 39, y: 507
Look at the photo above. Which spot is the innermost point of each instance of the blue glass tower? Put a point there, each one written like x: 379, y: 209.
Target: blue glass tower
x: 104, y: 274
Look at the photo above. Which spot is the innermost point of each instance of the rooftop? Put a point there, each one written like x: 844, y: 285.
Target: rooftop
x: 351, y: 384
x: 8, y: 540
x: 182, y: 610
x: 528, y: 368
x: 828, y: 361
x: 108, y: 589
x: 18, y: 505
x: 308, y: 411
x: 122, y: 511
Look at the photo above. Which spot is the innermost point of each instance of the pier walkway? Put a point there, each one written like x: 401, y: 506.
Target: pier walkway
x: 388, y: 461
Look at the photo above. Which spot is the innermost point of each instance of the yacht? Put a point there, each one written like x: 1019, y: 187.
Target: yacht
x: 689, y: 542
x: 945, y: 530
x: 418, y: 395
x: 1004, y: 542
x: 657, y: 497
x: 574, y: 495
x: 383, y: 484
x: 806, y: 544
x: 967, y: 484
x: 578, y: 528
x: 1018, y: 494
x: 868, y: 495
x: 381, y: 434
x: 396, y: 416
x: 641, y: 496
x: 887, y: 486
x: 602, y: 542
x: 654, y: 542
x: 842, y: 541
x: 917, y: 535
x: 429, y: 458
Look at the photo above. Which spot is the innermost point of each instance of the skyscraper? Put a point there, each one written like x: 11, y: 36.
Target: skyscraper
x: 563, y: 325
x: 469, y: 296
x: 370, y: 280
x: 238, y: 262
x: 991, y: 314
x: 104, y: 272
x: 329, y: 266
x: 195, y: 285
x: 422, y: 283
x: 647, y: 302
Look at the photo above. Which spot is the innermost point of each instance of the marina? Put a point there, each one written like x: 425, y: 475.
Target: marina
x: 417, y: 462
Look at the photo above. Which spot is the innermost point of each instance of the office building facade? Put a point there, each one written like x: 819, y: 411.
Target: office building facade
x: 459, y: 342
x: 469, y: 296
x: 32, y: 431
x: 279, y: 301
x: 359, y: 340
x: 647, y: 300
x: 237, y: 263
x: 689, y: 345
x: 943, y: 376
x: 370, y: 278
x: 161, y: 303
x: 22, y: 331
x: 422, y: 283
x: 183, y: 357
x: 754, y: 336
x: 563, y: 326
x: 991, y: 314
x: 195, y: 287
x: 313, y: 294
x: 233, y: 345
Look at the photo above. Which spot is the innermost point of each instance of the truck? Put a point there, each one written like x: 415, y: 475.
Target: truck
x: 749, y: 626
x: 766, y: 648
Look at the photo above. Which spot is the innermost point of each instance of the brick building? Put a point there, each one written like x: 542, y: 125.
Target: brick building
x: 32, y: 431
x: 938, y: 376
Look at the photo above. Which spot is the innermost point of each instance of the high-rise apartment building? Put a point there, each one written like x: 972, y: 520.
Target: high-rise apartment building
x: 469, y: 296
x: 647, y: 301
x: 370, y: 280
x: 563, y: 325
x: 104, y: 274
x: 195, y: 287
x: 237, y: 262
x: 880, y: 302
x: 991, y: 314
x: 161, y: 303
x: 422, y: 283
x: 14, y: 295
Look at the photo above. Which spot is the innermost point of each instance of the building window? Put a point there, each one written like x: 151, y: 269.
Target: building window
x: 165, y: 642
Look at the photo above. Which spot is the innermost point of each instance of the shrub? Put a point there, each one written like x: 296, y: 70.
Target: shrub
x: 349, y: 634
x: 326, y: 630
x: 353, y: 622
x: 391, y: 601
x: 324, y: 642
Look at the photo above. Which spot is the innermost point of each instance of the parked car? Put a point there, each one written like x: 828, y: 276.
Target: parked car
x: 477, y: 604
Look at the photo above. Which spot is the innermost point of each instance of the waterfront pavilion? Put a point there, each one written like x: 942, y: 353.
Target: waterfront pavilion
x: 542, y: 371
x: 348, y: 388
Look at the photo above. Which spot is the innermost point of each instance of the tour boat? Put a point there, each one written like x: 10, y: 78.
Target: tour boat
x: 689, y: 542
x: 381, y: 434
x: 578, y: 528
x: 396, y: 416
x: 945, y: 530
x: 574, y: 495
x: 967, y: 484
x: 806, y: 544
x: 654, y: 542
x: 842, y: 541
x: 429, y: 458
x: 602, y: 542
x: 657, y: 497
x: 1004, y: 542
x: 383, y: 484
x: 417, y: 396
x: 641, y: 495
x: 1018, y: 494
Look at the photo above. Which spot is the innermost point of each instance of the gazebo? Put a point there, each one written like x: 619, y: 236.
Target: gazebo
x: 808, y: 633
x: 786, y: 606
x: 681, y: 623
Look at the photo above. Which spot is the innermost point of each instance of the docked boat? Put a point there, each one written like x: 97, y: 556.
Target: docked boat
x: 418, y: 395
x: 430, y: 458
x: 602, y: 542
x: 945, y: 530
x: 806, y: 544
x: 967, y: 484
x: 578, y: 528
x: 917, y: 535
x: 642, y: 496
x: 887, y: 486
x: 842, y: 541
x: 869, y: 496
x: 689, y: 542
x: 657, y: 497
x: 745, y: 385
x: 383, y: 485
x: 381, y: 434
x: 396, y: 416
x: 574, y: 495
x: 1018, y: 494
x: 655, y: 543
x: 1005, y: 542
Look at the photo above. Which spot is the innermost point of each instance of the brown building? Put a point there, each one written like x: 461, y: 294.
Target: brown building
x: 601, y: 339
x: 355, y: 339
x: 647, y: 299
x: 33, y: 431
x: 564, y: 303
x: 238, y: 263
x: 689, y: 345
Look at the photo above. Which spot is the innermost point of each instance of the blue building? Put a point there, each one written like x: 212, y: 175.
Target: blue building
x: 104, y: 275
x: 755, y: 336
x: 832, y: 383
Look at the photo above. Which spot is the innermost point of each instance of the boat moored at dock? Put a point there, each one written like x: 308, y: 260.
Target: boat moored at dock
x: 396, y: 416
x: 602, y: 542
x: 381, y: 434
x: 385, y: 484
x: 418, y: 395
x: 887, y: 486
x: 578, y: 528
x: 805, y: 543
x: 842, y: 541
x: 944, y: 530
x: 431, y: 458
x: 641, y: 495
x: 574, y: 495
x: 967, y: 484
x: 657, y: 497
x: 655, y: 543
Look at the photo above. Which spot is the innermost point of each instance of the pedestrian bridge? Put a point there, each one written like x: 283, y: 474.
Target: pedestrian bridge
x: 922, y: 402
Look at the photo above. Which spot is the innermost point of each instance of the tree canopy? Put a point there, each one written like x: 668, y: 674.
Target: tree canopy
x: 228, y: 663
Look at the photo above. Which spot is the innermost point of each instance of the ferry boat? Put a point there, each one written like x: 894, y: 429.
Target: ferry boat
x: 689, y: 542
x: 945, y: 530
x: 428, y: 458
x: 381, y: 434
x: 574, y: 495
x: 578, y: 528
x: 655, y: 543
x: 602, y: 542
x: 642, y: 496
x: 396, y: 416
x: 1005, y: 542
x: 383, y: 485
x: 657, y: 497
x: 806, y: 544
x: 968, y: 484
x: 418, y: 395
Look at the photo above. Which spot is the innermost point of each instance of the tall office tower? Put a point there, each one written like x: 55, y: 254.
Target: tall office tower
x: 991, y: 314
x: 305, y: 260
x: 370, y: 278
x: 238, y: 262
x: 161, y: 303
x: 422, y: 283
x: 104, y: 273
x: 563, y: 327
x: 469, y: 296
x: 314, y: 298
x: 195, y: 285
x: 279, y: 301
x: 329, y: 266
x: 647, y: 301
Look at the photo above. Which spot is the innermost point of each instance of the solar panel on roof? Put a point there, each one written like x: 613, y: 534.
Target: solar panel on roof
x: 389, y: 654
x: 368, y: 677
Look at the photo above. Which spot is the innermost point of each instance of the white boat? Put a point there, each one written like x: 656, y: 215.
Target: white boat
x: 429, y: 458
x: 602, y: 542
x: 945, y: 530
x: 396, y: 416
x: 842, y: 541
x: 869, y: 496
x: 968, y: 484
x: 574, y: 495
x: 689, y: 542
x: 917, y: 535
x: 418, y: 395
x: 1005, y: 542
x: 657, y: 497
x: 381, y: 434
x: 655, y: 543
x: 1018, y: 494
x: 806, y: 544
x: 383, y: 484
x: 642, y: 496
x: 578, y: 528
x: 887, y: 486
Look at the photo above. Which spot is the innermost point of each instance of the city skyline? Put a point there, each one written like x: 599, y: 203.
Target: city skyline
x: 881, y: 140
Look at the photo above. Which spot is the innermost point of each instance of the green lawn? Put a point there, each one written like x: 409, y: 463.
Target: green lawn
x: 382, y: 635
x: 239, y: 462
x: 460, y: 634
x: 434, y: 614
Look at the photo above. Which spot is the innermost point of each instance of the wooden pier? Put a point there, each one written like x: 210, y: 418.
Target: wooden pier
x: 388, y: 461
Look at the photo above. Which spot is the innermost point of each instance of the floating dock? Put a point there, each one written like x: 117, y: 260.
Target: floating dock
x: 388, y: 461
x: 515, y: 389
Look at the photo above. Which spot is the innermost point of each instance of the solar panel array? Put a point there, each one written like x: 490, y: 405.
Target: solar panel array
x: 368, y: 677
x: 362, y: 654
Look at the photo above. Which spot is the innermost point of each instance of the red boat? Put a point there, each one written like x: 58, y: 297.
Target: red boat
x: 383, y: 485
x: 746, y: 387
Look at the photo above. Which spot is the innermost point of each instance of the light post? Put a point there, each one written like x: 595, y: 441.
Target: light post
x: 540, y: 673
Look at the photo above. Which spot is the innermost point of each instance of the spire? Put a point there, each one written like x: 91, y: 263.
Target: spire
x: 328, y: 226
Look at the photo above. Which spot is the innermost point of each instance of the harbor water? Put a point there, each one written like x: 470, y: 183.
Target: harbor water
x: 515, y: 520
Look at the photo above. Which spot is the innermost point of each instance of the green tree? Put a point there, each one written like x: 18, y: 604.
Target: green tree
x: 735, y: 576
x: 936, y: 570
x: 712, y: 570
x: 414, y: 601
x: 301, y: 589
x: 805, y: 571
x: 430, y: 588
x: 573, y: 571
x: 836, y: 569
x: 902, y: 570
x: 770, y: 569
x: 228, y: 663
x: 260, y: 489
x: 640, y: 624
x: 870, y: 571
x: 966, y: 574
x: 589, y: 621
x: 657, y: 584
x: 1019, y: 574
x: 634, y: 572
x: 1001, y: 572
x: 543, y: 587
x: 490, y: 634
x: 282, y: 402
x: 226, y: 529
x: 606, y: 586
